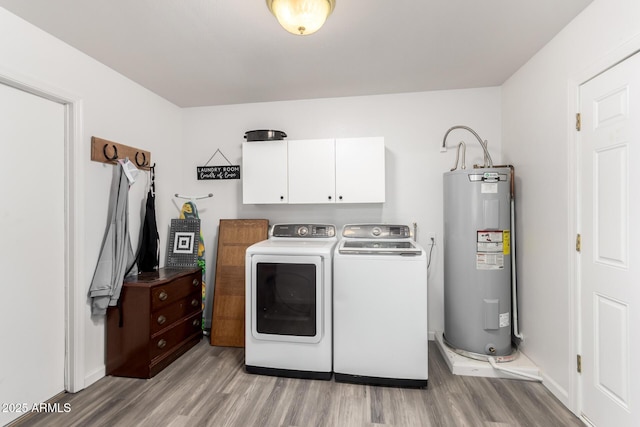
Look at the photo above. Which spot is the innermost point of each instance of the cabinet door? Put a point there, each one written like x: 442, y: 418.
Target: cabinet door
x: 312, y: 171
x: 264, y: 172
x: 360, y: 167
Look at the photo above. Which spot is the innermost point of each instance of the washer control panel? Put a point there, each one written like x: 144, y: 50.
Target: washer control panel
x: 304, y: 230
x: 376, y: 231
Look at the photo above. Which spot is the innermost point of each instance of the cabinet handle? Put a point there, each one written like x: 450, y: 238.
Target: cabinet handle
x: 195, y: 282
x: 340, y: 197
x: 196, y: 322
x: 161, y: 320
x: 194, y: 302
x: 281, y: 197
x: 162, y: 296
x: 162, y: 343
x: 329, y: 197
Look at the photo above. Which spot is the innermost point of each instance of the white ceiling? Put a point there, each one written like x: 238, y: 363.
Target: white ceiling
x: 214, y: 52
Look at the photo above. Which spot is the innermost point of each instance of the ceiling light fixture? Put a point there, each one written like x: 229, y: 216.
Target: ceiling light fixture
x: 301, y: 17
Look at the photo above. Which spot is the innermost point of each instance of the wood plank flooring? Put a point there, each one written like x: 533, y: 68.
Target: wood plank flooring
x: 209, y: 387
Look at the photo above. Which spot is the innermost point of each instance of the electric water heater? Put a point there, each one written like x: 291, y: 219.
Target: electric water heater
x: 477, y: 260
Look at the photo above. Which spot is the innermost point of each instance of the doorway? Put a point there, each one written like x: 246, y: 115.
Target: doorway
x: 32, y: 194
x: 32, y: 167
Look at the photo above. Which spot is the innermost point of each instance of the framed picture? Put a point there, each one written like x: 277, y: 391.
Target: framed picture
x: 183, y: 243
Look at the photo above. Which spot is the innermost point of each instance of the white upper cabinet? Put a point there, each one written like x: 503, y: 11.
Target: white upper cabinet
x: 360, y: 167
x: 346, y: 170
x: 264, y: 172
x: 312, y: 171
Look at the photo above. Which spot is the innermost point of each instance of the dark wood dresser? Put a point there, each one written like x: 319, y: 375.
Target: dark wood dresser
x: 160, y: 318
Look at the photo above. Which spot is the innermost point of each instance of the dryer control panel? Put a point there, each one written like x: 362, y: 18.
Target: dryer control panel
x: 304, y: 230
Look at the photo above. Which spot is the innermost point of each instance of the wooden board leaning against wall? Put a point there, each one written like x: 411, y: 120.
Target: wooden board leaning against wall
x: 234, y: 237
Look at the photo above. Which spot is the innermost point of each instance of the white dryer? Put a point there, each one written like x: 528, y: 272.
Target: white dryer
x: 288, y: 327
x: 380, y: 307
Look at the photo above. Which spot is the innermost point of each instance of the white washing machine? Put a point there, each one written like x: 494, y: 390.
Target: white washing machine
x: 288, y: 328
x: 380, y: 307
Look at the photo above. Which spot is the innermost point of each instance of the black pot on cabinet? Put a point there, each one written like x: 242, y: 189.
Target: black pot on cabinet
x: 264, y: 135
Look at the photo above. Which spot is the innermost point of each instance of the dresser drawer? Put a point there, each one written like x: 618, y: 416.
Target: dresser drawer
x: 168, y: 315
x: 165, y: 341
x: 164, y: 295
x: 158, y: 320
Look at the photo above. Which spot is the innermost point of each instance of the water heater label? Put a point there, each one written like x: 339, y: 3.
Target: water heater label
x: 489, y: 261
x: 506, y: 239
x: 490, y: 249
x: 505, y: 319
x: 489, y: 188
x: 490, y: 241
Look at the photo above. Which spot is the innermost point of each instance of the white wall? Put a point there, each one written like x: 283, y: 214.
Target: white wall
x: 114, y: 108
x: 528, y: 120
x: 538, y: 113
x: 413, y: 126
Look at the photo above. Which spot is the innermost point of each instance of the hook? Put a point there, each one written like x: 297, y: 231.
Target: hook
x: 115, y: 153
x: 144, y: 160
x: 181, y: 196
x: 152, y: 171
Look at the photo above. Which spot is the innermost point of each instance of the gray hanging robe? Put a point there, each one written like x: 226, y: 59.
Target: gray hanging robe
x: 116, y: 255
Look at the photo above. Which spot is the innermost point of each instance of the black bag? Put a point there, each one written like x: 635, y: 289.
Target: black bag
x: 148, y: 253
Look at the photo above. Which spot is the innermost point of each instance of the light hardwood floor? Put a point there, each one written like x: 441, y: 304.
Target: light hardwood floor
x: 209, y: 387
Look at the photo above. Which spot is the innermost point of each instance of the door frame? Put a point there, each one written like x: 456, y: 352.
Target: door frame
x: 607, y: 61
x: 75, y: 295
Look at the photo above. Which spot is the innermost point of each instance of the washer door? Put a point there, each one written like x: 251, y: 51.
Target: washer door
x: 286, y: 298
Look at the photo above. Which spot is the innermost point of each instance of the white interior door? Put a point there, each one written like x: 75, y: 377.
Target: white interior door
x: 609, y: 211
x: 32, y: 251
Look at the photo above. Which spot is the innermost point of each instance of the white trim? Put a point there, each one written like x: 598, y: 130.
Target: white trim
x: 75, y: 298
x: 572, y: 401
x: 560, y: 393
x: 95, y: 375
x: 610, y: 59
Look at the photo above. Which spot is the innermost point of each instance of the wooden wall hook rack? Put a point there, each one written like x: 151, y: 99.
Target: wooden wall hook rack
x: 106, y: 151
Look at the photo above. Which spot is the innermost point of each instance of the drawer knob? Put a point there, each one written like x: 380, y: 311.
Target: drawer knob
x: 196, y: 322
x: 194, y: 302
x: 196, y: 282
x: 161, y: 320
x: 162, y: 296
x: 162, y: 343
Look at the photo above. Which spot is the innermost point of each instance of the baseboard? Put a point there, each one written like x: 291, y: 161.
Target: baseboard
x: 560, y: 393
x: 94, y: 376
